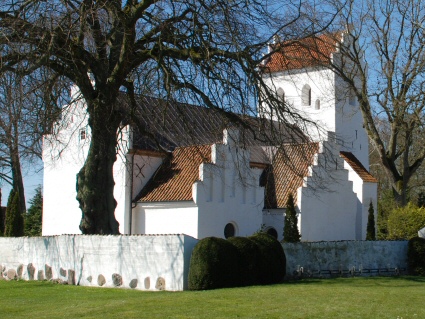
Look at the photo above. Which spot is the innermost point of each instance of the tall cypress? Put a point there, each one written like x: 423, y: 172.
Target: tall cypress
x: 370, y: 230
x: 290, y: 231
x: 14, y: 224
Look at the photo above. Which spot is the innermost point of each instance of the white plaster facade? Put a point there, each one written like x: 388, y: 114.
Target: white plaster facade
x: 227, y: 191
x: 333, y: 202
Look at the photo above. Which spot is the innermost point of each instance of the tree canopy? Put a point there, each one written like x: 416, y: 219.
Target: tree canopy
x: 200, y: 51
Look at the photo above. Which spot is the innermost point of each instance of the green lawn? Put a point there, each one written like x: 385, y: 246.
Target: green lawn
x: 382, y: 297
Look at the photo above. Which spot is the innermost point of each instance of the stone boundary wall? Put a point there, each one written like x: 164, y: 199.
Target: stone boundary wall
x: 159, y: 262
x: 349, y: 258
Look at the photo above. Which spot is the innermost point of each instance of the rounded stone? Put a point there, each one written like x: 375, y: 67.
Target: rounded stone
x: 11, y: 274
x: 101, y: 280
x: 40, y: 275
x: 62, y: 272
x: 48, y: 271
x: 89, y: 278
x: 20, y: 270
x: 160, y: 283
x: 116, y: 280
x: 31, y: 271
x: 147, y: 283
x: 133, y: 283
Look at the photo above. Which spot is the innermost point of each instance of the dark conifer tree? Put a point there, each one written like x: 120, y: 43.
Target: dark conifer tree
x: 290, y: 231
x: 370, y: 235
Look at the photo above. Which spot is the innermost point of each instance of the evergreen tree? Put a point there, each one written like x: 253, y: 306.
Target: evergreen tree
x: 370, y: 234
x: 14, y: 225
x: 33, y: 216
x: 290, y: 231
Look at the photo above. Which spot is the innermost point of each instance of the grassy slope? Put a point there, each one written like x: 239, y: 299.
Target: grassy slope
x: 335, y: 298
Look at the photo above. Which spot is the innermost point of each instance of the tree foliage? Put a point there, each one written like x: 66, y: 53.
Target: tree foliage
x: 197, y: 51
x: 370, y: 229
x: 291, y: 233
x: 33, y: 217
x: 14, y: 224
x: 382, y: 61
x: 405, y: 222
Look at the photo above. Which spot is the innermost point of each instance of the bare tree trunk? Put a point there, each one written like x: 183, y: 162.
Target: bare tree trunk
x: 95, y: 181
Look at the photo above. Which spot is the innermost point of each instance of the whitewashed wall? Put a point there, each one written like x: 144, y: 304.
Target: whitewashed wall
x: 342, y: 256
x: 64, y: 153
x: 326, y: 201
x: 142, y: 262
x: 322, y: 84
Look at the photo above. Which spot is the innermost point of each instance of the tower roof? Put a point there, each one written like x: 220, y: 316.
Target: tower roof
x: 303, y: 53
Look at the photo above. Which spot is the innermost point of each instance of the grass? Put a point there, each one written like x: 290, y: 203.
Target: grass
x: 377, y: 297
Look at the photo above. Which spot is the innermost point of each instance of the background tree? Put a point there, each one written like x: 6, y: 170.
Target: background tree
x: 14, y: 223
x: 290, y: 230
x: 370, y: 229
x: 382, y: 61
x: 199, y: 51
x: 405, y: 222
x: 33, y: 217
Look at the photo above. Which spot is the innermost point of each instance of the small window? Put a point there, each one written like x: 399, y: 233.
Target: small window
x: 281, y: 94
x: 352, y: 98
x: 317, y: 104
x: 229, y: 230
x: 83, y: 134
x: 272, y: 232
x: 306, y: 95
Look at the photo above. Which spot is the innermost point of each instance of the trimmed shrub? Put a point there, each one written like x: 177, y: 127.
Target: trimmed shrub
x: 249, y: 256
x: 405, y: 222
x: 214, y: 264
x: 416, y: 256
x: 272, y: 262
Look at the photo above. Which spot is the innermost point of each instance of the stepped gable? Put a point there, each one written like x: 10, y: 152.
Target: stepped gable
x: 358, y: 167
x: 286, y: 174
x: 303, y: 53
x: 174, y: 178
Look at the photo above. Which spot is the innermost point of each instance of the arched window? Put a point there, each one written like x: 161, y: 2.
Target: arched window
x: 317, y: 104
x: 229, y: 230
x: 306, y: 95
x: 272, y: 232
x: 281, y: 94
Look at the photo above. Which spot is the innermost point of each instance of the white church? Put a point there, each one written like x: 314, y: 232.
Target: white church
x: 213, y: 178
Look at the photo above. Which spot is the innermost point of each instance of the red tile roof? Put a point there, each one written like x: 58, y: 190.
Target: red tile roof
x: 174, y: 179
x: 307, y: 52
x: 287, y: 172
x: 358, y: 167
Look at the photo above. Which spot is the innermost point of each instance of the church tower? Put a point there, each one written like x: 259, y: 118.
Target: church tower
x: 299, y: 75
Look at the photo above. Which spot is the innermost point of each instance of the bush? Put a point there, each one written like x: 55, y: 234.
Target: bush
x: 416, y: 256
x: 214, y: 264
x: 272, y: 263
x: 249, y: 256
x: 405, y: 222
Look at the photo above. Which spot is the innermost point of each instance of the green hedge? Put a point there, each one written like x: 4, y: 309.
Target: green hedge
x: 238, y: 261
x: 249, y: 257
x: 416, y: 256
x: 214, y: 264
x: 404, y: 222
x: 272, y: 263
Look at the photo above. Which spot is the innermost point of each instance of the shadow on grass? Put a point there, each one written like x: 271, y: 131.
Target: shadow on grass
x: 381, y: 280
